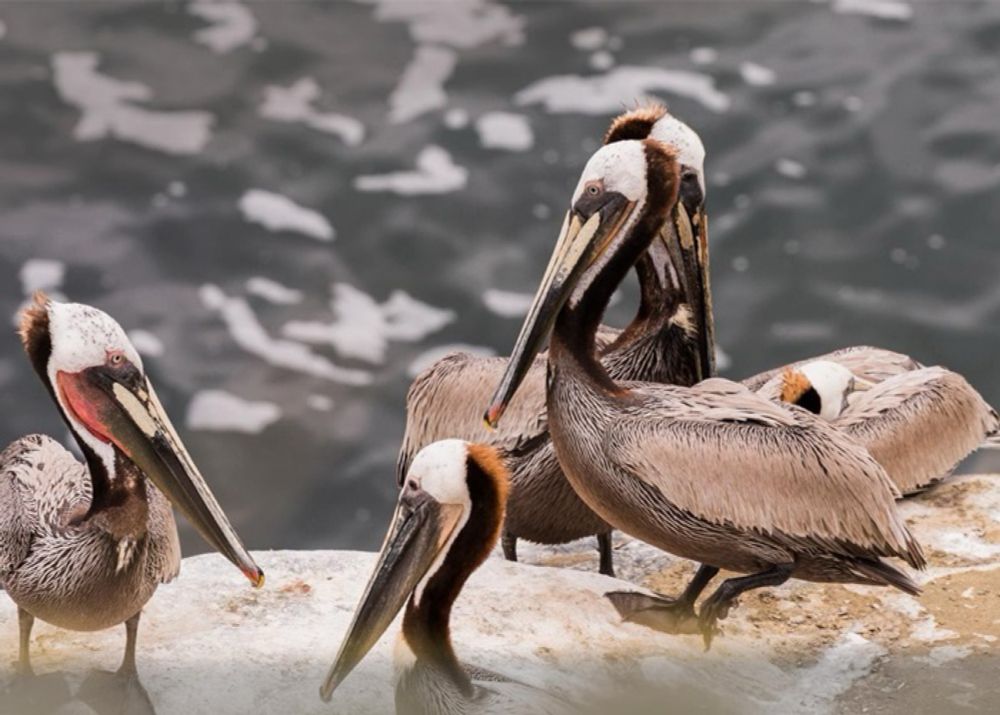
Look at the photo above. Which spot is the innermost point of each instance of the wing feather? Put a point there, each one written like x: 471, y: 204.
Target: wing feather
x: 727, y: 455
x: 873, y: 364
x: 448, y: 399
x: 919, y: 425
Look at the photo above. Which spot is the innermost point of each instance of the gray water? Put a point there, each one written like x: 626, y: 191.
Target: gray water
x: 852, y: 175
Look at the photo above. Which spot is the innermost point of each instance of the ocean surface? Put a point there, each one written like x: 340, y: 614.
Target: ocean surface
x: 293, y: 207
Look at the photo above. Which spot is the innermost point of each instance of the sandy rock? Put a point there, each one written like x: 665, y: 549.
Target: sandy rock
x: 210, y: 644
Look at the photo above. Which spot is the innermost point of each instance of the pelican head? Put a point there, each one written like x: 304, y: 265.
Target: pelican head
x: 822, y: 387
x: 625, y: 194
x: 97, y: 380
x: 684, y: 239
x: 447, y: 521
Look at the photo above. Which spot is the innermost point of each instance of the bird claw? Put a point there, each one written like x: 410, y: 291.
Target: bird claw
x: 712, y: 611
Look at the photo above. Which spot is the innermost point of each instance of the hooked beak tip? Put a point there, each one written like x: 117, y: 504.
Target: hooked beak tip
x: 493, y: 414
x: 326, y: 690
x: 255, y: 576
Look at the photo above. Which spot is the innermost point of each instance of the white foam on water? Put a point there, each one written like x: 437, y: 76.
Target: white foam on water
x: 146, y: 343
x: 620, y: 87
x: 247, y: 332
x: 464, y: 24
x: 435, y: 173
x: 882, y: 9
x: 295, y: 104
x: 272, y: 291
x: 790, y: 168
x: 421, y: 87
x: 757, y: 75
x: 221, y: 411
x: 232, y: 24
x: 506, y: 303
x: 41, y: 274
x: 456, y: 118
x: 320, y: 403
x: 107, y: 109
x: 589, y: 38
x: 704, y: 55
x: 430, y: 356
x: 362, y: 328
x: 279, y: 213
x: 602, y: 60
x: 505, y: 130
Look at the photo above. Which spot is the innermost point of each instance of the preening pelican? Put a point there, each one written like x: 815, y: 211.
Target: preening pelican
x: 669, y: 340
x: 446, y: 523
x: 918, y: 424
x: 85, y: 545
x: 713, y: 473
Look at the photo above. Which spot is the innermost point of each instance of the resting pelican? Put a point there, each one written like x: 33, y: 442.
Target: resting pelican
x: 85, y: 546
x: 712, y: 473
x: 446, y: 523
x: 918, y: 424
x: 662, y: 344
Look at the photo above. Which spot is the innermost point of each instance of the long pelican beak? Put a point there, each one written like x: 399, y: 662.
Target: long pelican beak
x: 122, y: 408
x: 421, y: 527
x: 580, y: 243
x: 690, y: 256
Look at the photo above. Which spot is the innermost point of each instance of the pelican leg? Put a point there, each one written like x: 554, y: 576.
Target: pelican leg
x: 604, y: 547
x: 25, y: 621
x: 509, y: 543
x: 663, y: 613
x: 127, y: 667
x: 716, y: 607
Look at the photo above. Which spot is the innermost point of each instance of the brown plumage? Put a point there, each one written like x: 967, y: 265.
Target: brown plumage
x: 85, y: 545
x: 918, y: 425
x: 659, y: 345
x: 713, y: 473
x: 447, y: 521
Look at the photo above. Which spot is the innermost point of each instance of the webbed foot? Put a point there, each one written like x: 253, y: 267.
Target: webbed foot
x: 661, y: 613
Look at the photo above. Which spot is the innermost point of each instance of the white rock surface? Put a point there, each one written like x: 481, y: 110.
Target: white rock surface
x: 209, y: 643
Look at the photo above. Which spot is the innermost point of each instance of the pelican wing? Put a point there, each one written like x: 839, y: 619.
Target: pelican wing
x: 872, y: 364
x: 15, y: 532
x: 919, y: 425
x: 447, y: 400
x: 727, y: 455
x: 40, y: 482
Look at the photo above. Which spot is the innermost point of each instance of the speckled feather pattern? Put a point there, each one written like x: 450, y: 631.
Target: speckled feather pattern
x: 67, y: 575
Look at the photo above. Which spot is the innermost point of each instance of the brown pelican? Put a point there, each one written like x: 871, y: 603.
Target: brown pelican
x: 85, y: 546
x: 918, y: 424
x: 661, y: 344
x: 712, y: 473
x: 446, y: 523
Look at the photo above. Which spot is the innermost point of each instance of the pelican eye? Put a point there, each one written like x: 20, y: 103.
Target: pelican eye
x: 116, y: 359
x: 594, y: 190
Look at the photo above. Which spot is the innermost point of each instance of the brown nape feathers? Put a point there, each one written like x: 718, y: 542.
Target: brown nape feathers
x: 636, y: 124
x: 793, y: 385
x: 34, y: 322
x: 492, y: 465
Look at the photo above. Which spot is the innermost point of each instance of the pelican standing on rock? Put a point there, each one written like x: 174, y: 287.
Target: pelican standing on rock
x: 446, y: 523
x: 918, y: 424
x: 84, y: 546
x: 712, y: 473
x: 663, y: 343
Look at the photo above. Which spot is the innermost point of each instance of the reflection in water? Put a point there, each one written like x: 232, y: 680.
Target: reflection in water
x: 101, y: 693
